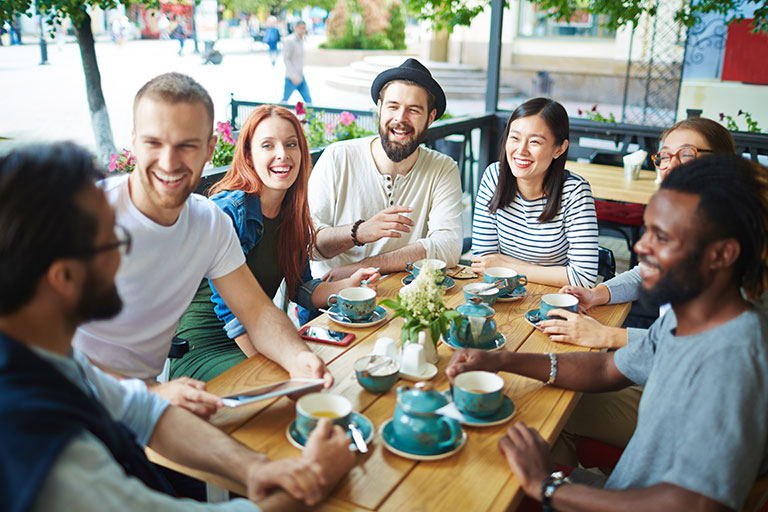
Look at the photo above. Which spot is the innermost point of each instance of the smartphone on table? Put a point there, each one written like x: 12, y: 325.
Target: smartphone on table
x: 326, y: 335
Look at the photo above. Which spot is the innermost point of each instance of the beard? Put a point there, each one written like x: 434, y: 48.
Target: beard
x: 678, y: 285
x: 165, y: 198
x: 399, y: 151
x: 98, y: 302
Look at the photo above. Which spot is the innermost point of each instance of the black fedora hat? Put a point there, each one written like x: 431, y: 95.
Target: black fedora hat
x: 414, y: 71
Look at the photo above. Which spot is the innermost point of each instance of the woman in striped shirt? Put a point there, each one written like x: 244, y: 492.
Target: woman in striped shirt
x: 531, y: 214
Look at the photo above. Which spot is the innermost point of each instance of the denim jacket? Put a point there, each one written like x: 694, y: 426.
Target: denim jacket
x: 245, y: 212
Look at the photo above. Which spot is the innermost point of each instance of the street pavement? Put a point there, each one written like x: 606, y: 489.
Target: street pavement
x: 46, y: 103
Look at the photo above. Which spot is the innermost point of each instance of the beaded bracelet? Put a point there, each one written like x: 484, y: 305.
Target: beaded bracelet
x: 552, y: 368
x: 354, y: 232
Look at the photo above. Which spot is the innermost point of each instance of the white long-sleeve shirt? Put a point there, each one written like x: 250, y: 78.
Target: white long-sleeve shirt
x: 345, y: 186
x: 569, y: 239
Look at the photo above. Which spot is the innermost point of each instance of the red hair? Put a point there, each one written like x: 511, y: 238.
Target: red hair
x: 296, y: 234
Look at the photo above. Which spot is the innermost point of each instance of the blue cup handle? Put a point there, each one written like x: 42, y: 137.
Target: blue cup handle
x: 333, y: 300
x: 521, y: 281
x: 455, y: 429
x: 409, y: 267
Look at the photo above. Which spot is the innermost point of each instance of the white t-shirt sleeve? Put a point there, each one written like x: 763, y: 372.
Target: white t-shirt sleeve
x: 444, y: 229
x: 85, y: 478
x: 322, y: 190
x: 229, y: 256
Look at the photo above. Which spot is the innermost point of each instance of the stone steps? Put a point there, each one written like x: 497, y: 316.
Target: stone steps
x: 458, y: 81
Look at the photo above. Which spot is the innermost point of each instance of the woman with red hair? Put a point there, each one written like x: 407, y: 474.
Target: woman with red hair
x: 265, y: 194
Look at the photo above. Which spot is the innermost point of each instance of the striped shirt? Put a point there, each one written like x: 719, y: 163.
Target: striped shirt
x: 569, y: 239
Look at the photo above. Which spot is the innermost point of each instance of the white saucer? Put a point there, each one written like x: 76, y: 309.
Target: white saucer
x: 430, y: 371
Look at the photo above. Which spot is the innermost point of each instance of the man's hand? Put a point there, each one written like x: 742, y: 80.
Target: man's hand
x: 328, y: 446
x: 296, y: 80
x: 308, y: 365
x: 588, y: 298
x: 189, y: 394
x: 386, y: 223
x: 301, y: 478
x: 480, y: 263
x: 465, y: 360
x: 576, y: 329
x: 528, y: 455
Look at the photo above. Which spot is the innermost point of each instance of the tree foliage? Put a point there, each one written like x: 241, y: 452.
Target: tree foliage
x: 451, y: 13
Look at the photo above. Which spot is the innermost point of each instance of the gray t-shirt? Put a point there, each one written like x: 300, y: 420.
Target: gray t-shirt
x: 703, y: 418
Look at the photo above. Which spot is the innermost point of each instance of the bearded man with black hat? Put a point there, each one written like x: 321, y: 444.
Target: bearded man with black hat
x: 385, y: 201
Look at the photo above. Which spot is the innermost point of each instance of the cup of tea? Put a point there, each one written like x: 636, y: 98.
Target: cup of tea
x: 357, y: 304
x: 478, y: 393
x: 552, y: 301
x: 514, y: 280
x: 314, y: 406
x: 438, y: 265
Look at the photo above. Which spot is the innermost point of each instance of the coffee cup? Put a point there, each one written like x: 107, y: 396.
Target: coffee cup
x: 478, y: 393
x: 514, y: 280
x: 313, y: 407
x: 487, y: 296
x: 552, y: 301
x: 438, y: 265
x: 357, y: 304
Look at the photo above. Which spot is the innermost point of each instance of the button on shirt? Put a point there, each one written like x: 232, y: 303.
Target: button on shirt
x: 345, y: 186
x: 86, y: 476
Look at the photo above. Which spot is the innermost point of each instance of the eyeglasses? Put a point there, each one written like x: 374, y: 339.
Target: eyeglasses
x: 683, y: 155
x: 123, y: 242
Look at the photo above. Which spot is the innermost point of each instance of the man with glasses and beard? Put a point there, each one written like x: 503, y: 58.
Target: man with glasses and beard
x: 386, y: 201
x: 702, y: 431
x: 73, y: 436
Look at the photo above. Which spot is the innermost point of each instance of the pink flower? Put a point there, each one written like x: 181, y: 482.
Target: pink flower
x: 722, y: 116
x: 346, y: 118
x: 329, y: 128
x: 581, y: 112
x: 300, y: 108
x: 594, y: 108
x: 112, y: 162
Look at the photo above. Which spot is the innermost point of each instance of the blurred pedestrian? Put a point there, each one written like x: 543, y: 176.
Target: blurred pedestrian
x: 271, y: 38
x: 293, y: 55
x: 179, y: 33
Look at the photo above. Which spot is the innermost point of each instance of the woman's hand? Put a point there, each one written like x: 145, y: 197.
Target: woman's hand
x: 367, y: 277
x: 480, y: 263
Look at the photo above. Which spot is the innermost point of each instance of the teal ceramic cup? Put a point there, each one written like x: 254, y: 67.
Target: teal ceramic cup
x: 377, y: 373
x: 478, y: 393
x: 488, y: 296
x: 514, y: 280
x: 438, y: 265
x: 315, y: 406
x: 552, y: 301
x: 357, y: 304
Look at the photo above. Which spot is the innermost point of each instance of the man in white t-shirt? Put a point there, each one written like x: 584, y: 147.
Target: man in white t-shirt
x: 179, y: 238
x: 385, y: 201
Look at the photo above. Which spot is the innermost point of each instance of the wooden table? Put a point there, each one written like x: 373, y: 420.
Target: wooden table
x: 607, y: 182
x: 476, y: 478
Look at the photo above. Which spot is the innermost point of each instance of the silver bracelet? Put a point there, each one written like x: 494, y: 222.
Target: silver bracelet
x: 552, y: 368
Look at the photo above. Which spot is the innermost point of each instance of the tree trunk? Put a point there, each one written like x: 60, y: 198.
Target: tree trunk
x: 102, y: 130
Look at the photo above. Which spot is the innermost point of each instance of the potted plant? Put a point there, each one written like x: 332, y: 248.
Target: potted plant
x: 420, y: 304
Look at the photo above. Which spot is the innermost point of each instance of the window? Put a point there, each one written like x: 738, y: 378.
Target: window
x: 534, y: 23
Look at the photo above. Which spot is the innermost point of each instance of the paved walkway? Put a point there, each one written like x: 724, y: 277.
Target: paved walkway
x: 49, y: 102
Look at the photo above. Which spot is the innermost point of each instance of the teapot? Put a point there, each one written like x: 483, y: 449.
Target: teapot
x: 417, y: 427
x: 475, y: 328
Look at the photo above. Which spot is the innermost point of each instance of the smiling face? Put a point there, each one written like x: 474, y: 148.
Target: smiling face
x: 677, y: 140
x: 670, y: 252
x: 403, y: 119
x: 530, y: 149
x: 171, y: 143
x: 276, y: 154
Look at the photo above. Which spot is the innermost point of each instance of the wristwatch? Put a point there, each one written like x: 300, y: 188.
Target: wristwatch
x: 548, y: 487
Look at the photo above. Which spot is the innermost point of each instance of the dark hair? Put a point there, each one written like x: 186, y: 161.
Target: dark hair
x: 40, y: 220
x: 733, y: 203
x: 176, y: 88
x: 718, y: 137
x: 556, y: 118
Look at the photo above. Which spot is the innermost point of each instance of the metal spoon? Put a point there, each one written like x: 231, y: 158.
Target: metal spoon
x: 358, y: 438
